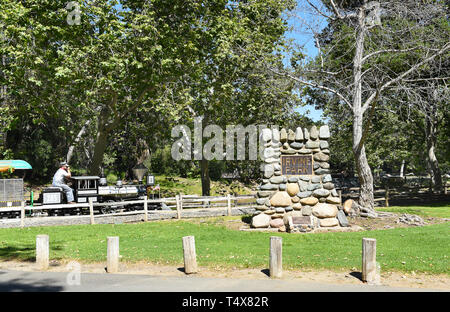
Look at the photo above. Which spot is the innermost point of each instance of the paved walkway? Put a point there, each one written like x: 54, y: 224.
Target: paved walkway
x: 17, y: 281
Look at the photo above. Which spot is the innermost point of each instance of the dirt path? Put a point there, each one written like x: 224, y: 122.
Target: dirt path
x: 393, y: 279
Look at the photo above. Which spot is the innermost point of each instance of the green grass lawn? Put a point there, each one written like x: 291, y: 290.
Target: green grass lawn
x: 433, y: 210
x: 419, y: 249
x: 170, y: 186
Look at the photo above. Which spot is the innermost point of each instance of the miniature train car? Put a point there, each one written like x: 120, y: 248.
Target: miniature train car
x: 12, y: 190
x: 96, y: 188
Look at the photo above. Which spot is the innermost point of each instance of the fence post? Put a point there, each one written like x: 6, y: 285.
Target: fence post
x: 190, y: 258
x: 386, y: 197
x: 112, y: 254
x: 177, y: 197
x: 340, y: 195
x: 22, y: 214
x: 276, y: 265
x: 145, y: 209
x: 369, y: 258
x: 91, y: 210
x: 42, y: 251
x: 229, y: 204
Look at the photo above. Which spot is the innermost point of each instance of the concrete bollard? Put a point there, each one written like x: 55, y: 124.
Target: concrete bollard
x: 190, y: 257
x: 42, y: 252
x: 370, y: 272
x: 112, y: 255
x: 276, y: 263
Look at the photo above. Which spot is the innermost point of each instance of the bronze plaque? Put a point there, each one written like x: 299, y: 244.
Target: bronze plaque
x: 301, y: 220
x: 296, y: 165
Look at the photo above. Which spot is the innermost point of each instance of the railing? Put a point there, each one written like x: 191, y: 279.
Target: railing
x: 384, y: 194
x: 172, y: 204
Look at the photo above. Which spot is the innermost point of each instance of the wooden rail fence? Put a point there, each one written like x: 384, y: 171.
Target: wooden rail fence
x: 177, y: 204
x: 390, y: 193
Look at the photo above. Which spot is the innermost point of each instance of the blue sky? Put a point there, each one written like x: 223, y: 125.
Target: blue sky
x: 303, y: 37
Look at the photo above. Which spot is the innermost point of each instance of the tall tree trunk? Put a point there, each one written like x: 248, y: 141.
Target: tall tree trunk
x: 101, y: 140
x: 75, y: 142
x: 366, y: 200
x: 99, y: 150
x: 435, y: 172
x: 206, y: 182
x: 144, y: 153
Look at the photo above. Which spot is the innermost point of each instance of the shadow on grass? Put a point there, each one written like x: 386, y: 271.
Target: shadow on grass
x: 27, y: 253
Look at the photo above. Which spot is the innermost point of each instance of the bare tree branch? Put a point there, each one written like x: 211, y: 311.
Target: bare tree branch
x: 319, y: 11
x: 387, y: 51
x: 338, y: 14
x: 400, y: 77
x: 315, y: 85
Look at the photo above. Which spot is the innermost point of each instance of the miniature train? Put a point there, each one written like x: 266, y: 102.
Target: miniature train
x: 84, y: 189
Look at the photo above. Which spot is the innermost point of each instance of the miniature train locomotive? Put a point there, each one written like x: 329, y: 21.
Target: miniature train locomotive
x: 97, y: 189
x: 12, y: 193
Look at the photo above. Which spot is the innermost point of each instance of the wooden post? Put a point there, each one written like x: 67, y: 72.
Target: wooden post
x: 112, y: 255
x: 276, y: 265
x: 177, y: 197
x: 22, y: 214
x: 229, y: 204
x: 369, y: 260
x: 340, y: 195
x: 181, y: 204
x: 42, y: 251
x: 91, y: 210
x: 145, y: 209
x: 386, y: 197
x: 190, y: 258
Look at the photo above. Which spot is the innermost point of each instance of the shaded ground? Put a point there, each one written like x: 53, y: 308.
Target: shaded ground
x: 392, y: 279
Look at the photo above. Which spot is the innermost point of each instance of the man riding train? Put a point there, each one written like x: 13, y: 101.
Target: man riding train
x: 59, y: 178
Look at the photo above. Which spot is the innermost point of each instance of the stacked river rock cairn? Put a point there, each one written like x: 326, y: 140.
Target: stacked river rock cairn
x: 297, y: 193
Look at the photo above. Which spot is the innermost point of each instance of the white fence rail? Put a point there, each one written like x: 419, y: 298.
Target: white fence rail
x: 175, y: 204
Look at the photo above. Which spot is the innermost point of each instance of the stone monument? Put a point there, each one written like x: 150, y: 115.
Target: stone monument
x: 297, y: 189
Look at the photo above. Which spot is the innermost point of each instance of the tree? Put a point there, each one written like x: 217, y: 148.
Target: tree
x: 228, y: 85
x: 366, y: 49
x: 427, y: 98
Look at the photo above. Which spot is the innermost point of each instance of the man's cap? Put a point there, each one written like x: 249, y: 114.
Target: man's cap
x: 63, y: 163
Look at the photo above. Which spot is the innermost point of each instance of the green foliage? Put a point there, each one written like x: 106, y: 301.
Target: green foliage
x: 133, y: 69
x: 161, y: 162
